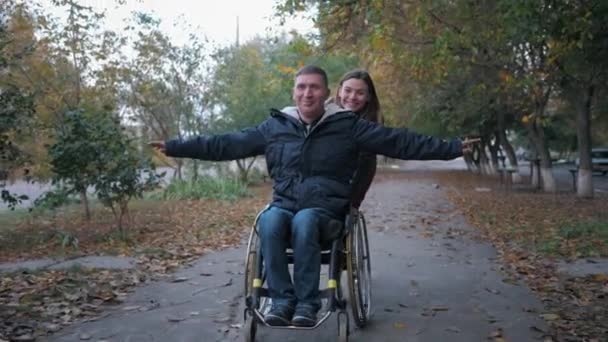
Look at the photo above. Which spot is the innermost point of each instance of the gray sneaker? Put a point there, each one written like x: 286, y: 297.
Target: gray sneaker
x: 305, y: 316
x: 279, y: 315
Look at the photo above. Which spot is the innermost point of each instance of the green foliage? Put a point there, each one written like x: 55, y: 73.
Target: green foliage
x: 582, y: 238
x: 65, y: 239
x: 205, y: 187
x: 74, y: 155
x: 53, y: 199
x: 16, y: 111
x: 165, y: 83
x: 124, y: 172
x: 459, y: 64
x: 586, y: 230
x: 254, y: 77
x: 92, y: 151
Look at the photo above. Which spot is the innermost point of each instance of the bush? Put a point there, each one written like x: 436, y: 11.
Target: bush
x: 53, y: 199
x: 206, y: 187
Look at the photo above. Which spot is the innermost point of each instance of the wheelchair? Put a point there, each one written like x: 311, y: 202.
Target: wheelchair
x: 348, y: 255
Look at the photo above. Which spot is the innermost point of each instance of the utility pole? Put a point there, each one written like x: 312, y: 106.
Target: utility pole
x: 237, y: 31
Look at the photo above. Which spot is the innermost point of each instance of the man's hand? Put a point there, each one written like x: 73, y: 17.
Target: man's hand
x: 468, y: 144
x: 160, y: 152
x: 158, y: 145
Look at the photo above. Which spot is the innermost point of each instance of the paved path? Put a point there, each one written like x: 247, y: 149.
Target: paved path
x: 432, y: 282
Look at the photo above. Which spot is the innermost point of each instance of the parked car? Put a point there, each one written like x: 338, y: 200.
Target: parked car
x: 599, y: 160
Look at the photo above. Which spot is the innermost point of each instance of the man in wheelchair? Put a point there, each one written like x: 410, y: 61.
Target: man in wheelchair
x: 311, y: 153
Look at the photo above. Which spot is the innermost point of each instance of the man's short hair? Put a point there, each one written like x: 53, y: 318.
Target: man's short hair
x: 313, y: 70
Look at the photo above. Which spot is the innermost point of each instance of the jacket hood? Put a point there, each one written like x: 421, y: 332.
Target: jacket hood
x: 330, y: 109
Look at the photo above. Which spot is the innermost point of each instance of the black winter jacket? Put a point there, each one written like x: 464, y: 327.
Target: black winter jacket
x: 316, y: 168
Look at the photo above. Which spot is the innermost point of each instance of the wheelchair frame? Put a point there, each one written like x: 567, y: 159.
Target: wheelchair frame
x: 349, y: 253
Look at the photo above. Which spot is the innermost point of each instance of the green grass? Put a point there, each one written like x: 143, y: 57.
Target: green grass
x: 8, y: 218
x: 585, y: 230
x: 581, y: 239
x: 206, y: 187
x: 589, y: 237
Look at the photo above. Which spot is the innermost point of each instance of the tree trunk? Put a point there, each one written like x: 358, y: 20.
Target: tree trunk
x: 501, y: 135
x: 584, y: 182
x: 194, y: 171
x: 85, y: 204
x: 244, y: 168
x: 470, y: 163
x: 494, y: 166
x: 124, y: 213
x: 537, y: 137
x: 484, y: 162
x: 177, y: 172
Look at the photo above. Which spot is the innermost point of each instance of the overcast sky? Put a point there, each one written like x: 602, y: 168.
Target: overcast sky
x: 216, y: 19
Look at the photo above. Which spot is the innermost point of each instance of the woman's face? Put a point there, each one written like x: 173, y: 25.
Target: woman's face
x: 354, y: 94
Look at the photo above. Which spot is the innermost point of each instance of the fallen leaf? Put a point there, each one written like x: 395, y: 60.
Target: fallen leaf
x: 440, y: 308
x: 493, y: 291
x: 601, y: 277
x: 129, y: 308
x: 549, y: 316
x: 175, y: 319
x: 496, y: 333
x: 453, y: 329
x: 399, y: 325
x: 179, y: 279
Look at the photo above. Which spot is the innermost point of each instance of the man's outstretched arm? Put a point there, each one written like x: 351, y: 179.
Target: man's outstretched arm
x: 238, y: 145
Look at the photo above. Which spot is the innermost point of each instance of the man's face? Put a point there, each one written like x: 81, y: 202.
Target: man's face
x: 309, y: 94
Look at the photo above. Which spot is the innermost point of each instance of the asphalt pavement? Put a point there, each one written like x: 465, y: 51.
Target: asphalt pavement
x: 432, y: 281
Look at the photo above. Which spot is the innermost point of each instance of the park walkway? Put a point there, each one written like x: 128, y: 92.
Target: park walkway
x: 432, y: 280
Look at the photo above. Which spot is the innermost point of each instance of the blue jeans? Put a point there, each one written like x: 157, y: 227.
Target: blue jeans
x: 306, y: 229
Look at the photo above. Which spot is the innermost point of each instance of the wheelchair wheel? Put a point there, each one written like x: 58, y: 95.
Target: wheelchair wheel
x: 343, y: 332
x: 253, y: 253
x: 358, y: 266
x: 251, y: 328
x: 250, y: 263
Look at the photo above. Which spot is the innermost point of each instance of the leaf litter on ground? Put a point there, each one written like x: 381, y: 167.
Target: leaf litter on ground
x: 531, y: 232
x: 163, y: 237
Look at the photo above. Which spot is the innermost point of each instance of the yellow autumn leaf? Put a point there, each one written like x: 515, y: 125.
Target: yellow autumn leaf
x: 601, y: 277
x: 399, y: 325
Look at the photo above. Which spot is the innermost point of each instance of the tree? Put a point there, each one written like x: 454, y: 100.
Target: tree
x: 581, y: 53
x: 91, y: 152
x: 165, y: 85
x: 123, y: 172
x: 16, y: 112
x: 243, y: 91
